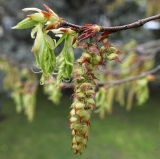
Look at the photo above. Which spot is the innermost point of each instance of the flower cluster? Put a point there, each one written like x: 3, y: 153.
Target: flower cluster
x: 84, y: 98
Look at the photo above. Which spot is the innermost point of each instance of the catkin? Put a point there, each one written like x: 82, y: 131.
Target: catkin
x: 84, y: 102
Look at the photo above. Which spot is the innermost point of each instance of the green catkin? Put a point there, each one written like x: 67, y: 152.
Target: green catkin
x: 84, y: 101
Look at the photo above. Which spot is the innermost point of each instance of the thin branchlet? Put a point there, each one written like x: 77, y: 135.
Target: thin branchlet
x: 114, y: 29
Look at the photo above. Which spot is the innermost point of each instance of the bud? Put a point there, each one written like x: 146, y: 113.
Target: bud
x: 38, y: 17
x: 151, y: 78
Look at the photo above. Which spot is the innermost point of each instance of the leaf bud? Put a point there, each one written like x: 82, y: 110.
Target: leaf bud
x: 38, y: 17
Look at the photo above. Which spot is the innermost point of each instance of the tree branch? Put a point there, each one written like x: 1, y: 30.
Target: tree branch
x: 130, y: 79
x: 114, y: 29
x: 119, y: 82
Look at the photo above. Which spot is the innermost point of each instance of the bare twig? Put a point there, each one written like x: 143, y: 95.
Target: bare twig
x: 121, y: 81
x: 151, y: 47
x: 116, y: 71
x: 133, y: 78
x: 114, y: 29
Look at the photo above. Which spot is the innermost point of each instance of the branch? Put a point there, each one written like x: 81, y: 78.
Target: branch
x: 148, y: 48
x: 119, y: 82
x: 117, y: 71
x: 142, y: 75
x: 113, y: 29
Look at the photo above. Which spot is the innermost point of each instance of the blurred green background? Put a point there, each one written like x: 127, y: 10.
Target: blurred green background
x: 122, y: 135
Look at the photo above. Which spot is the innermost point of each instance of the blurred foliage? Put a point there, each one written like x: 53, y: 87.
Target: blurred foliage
x: 153, y: 7
x: 23, y: 85
x: 113, y: 5
x: 126, y: 93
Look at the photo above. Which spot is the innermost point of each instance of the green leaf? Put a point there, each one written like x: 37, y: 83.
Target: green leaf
x: 43, y: 50
x: 25, y: 24
x: 50, y: 42
x: 66, y: 59
x: 60, y: 40
x: 33, y: 32
x: 39, y: 41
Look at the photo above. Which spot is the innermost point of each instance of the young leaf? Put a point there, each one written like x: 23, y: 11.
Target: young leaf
x: 43, y: 50
x: 25, y: 24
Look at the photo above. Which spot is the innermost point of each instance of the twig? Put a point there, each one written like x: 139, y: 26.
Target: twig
x: 142, y: 75
x: 119, y: 82
x: 148, y: 48
x: 116, y: 71
x: 114, y: 29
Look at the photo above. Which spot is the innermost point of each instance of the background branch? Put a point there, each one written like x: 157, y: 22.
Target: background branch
x: 133, y: 78
x: 121, y: 81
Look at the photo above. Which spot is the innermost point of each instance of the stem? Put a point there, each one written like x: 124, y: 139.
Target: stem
x: 114, y: 29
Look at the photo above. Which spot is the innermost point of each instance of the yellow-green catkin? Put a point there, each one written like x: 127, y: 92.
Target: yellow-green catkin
x: 84, y: 101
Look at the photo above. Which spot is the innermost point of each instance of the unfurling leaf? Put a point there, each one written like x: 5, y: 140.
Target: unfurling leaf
x: 66, y: 60
x: 25, y: 24
x: 43, y: 50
